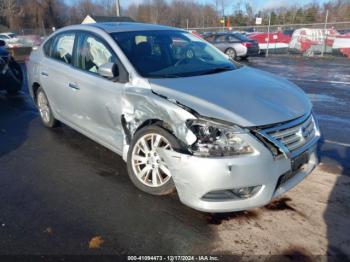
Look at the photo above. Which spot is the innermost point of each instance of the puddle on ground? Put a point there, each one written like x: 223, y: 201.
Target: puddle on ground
x: 325, y: 99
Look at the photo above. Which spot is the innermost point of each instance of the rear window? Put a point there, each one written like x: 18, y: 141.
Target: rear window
x: 63, y: 47
x: 242, y: 37
x: 47, y: 47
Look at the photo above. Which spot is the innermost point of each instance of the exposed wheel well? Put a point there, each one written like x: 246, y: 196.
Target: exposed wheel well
x: 165, y: 126
x: 150, y: 122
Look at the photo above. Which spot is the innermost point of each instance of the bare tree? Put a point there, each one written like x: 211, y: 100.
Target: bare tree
x: 8, y: 10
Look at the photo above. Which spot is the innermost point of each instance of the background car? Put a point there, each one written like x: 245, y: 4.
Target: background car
x: 7, y: 36
x: 10, y: 39
x: 11, y: 75
x: 235, y: 45
x: 278, y: 42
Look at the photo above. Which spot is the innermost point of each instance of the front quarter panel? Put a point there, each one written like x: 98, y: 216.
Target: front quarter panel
x: 141, y: 104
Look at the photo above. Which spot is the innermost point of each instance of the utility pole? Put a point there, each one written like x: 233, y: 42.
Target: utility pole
x: 325, y: 34
x: 223, y: 15
x: 117, y: 6
x: 268, y: 36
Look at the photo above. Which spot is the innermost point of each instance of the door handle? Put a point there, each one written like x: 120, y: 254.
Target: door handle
x: 73, y: 86
x: 43, y: 73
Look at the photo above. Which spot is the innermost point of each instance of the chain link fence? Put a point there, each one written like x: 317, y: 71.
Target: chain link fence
x: 316, y: 39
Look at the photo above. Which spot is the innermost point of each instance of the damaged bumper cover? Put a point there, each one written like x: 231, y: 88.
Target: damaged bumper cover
x: 225, y: 184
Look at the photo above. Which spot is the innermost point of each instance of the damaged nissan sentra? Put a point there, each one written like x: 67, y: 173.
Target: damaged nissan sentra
x: 183, y: 115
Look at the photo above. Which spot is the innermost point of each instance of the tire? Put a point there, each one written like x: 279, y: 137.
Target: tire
x: 231, y: 53
x: 145, y: 183
x: 45, y: 110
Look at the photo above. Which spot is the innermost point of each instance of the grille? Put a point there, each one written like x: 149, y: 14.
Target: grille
x: 294, y: 135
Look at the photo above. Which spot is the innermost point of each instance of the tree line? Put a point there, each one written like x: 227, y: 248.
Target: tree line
x: 17, y: 14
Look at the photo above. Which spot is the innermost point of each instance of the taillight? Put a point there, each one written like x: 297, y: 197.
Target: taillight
x: 247, y: 44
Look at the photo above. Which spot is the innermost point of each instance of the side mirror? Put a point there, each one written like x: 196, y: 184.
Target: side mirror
x: 109, y: 71
x: 2, y: 43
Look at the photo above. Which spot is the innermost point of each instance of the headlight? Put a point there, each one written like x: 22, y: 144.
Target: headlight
x: 216, y: 139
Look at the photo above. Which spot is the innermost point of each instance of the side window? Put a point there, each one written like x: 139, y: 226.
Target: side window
x: 220, y: 39
x: 47, y: 47
x: 93, y: 53
x: 63, y: 48
x: 232, y: 39
x: 210, y: 39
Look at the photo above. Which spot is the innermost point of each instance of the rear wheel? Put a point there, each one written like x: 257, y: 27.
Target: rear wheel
x: 231, y: 53
x: 146, y: 168
x: 44, y: 109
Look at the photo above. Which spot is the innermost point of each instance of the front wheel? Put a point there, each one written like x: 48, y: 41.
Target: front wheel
x: 146, y: 169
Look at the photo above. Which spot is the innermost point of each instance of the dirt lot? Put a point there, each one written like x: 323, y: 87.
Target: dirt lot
x: 61, y: 193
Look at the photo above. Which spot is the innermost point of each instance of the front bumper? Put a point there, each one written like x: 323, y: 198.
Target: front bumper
x: 194, y: 177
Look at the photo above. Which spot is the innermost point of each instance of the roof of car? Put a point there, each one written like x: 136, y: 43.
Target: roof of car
x: 114, y: 27
x: 227, y: 33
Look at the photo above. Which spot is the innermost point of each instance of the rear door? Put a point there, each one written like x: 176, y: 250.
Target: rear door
x: 236, y: 43
x: 55, y: 70
x: 97, y: 99
x: 220, y: 42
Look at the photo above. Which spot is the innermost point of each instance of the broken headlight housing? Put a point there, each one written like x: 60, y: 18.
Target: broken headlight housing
x: 215, y: 139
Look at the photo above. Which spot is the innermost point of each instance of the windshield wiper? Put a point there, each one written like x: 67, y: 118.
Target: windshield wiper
x: 165, y: 76
x: 217, y: 70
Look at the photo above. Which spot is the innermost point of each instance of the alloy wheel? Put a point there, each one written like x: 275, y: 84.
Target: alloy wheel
x: 147, y: 164
x: 231, y: 53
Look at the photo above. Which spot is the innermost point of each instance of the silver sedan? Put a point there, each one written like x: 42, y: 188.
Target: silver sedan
x: 182, y: 115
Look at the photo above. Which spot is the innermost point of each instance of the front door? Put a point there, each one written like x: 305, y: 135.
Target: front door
x: 97, y: 99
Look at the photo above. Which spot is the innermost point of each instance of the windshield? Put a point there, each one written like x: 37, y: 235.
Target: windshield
x: 242, y: 37
x: 166, y: 54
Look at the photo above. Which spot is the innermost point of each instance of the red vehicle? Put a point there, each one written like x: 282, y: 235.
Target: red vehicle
x: 312, y: 40
x: 194, y: 32
x: 277, y: 41
x: 341, y: 44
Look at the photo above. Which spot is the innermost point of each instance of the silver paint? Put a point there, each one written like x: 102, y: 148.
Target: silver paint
x: 110, y: 113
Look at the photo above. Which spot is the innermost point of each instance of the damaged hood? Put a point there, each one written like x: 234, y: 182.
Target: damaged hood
x: 245, y: 96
